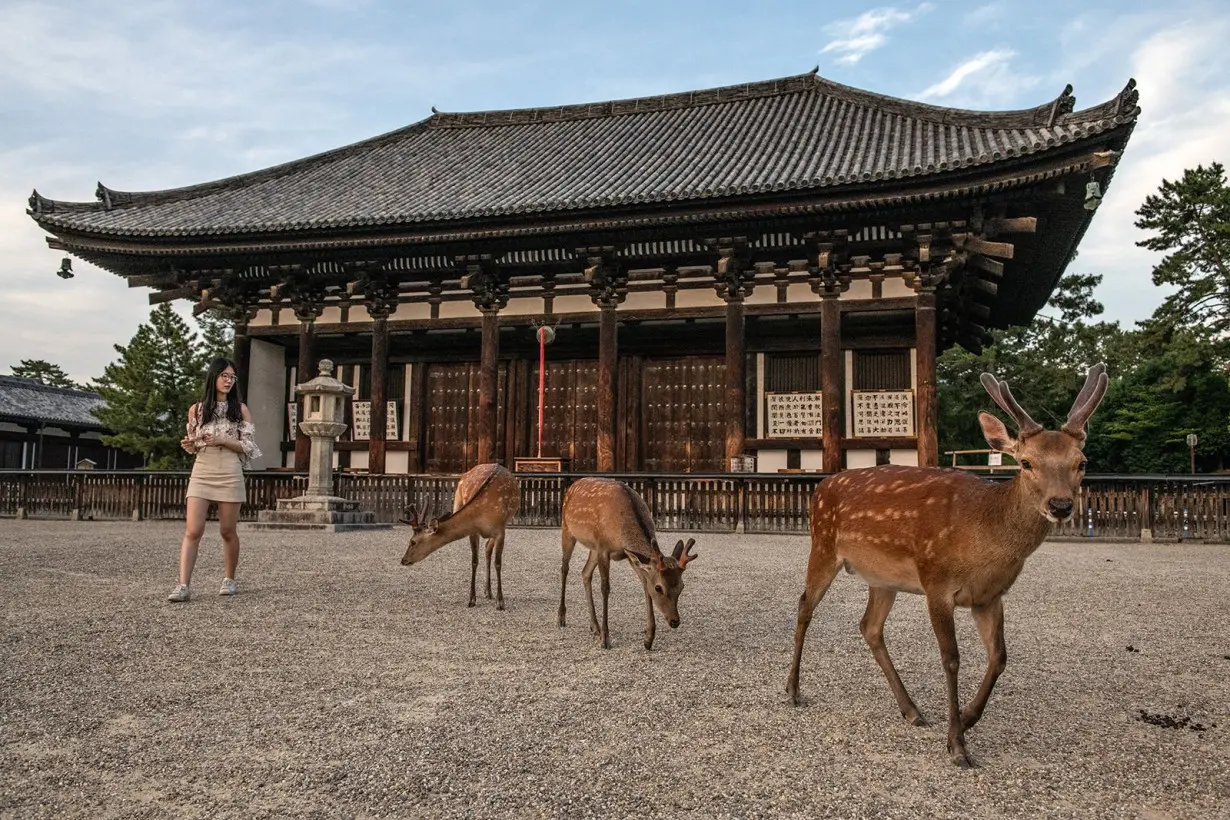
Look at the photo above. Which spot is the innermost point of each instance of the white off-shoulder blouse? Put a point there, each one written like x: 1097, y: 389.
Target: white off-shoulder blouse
x: 221, y: 427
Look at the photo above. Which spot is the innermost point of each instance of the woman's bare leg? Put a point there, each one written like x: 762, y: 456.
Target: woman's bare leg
x: 228, y: 518
x: 194, y: 528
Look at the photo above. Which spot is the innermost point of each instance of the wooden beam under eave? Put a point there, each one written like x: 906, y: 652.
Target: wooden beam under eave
x: 1015, y: 224
x: 172, y: 294
x: 152, y: 280
x: 990, y: 266
x: 975, y: 244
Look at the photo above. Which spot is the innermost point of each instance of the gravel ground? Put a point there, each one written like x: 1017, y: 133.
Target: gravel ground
x: 338, y: 683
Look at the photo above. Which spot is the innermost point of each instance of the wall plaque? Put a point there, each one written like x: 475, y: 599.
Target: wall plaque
x: 361, y: 412
x: 794, y: 415
x: 883, y: 413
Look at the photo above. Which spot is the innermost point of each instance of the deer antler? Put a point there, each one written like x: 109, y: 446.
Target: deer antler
x: 683, y: 554
x: 1086, y: 401
x: 410, y: 516
x: 1002, y: 396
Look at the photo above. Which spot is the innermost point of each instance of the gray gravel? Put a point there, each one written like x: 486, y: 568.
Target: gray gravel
x: 338, y: 683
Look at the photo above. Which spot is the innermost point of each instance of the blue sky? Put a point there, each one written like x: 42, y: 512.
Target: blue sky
x: 148, y: 95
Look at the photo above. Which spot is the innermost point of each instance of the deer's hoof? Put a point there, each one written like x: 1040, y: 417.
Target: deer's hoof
x: 471, y: 603
x: 500, y: 606
x: 915, y: 718
x: 649, y: 643
x: 963, y: 761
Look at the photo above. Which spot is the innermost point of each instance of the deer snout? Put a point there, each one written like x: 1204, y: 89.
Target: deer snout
x: 674, y: 622
x: 1061, y: 508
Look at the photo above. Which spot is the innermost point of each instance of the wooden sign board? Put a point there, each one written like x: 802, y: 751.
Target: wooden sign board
x: 361, y: 412
x: 794, y: 415
x: 883, y: 413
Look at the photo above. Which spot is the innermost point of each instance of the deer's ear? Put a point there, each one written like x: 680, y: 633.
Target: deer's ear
x: 432, y: 526
x: 996, y: 433
x: 637, y: 561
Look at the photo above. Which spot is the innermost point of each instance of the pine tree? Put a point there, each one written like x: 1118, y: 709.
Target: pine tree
x: 1192, y: 221
x: 43, y: 372
x: 217, y: 334
x: 148, y: 390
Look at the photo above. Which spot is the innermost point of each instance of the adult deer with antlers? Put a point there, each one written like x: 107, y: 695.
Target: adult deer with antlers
x: 609, y: 518
x: 487, y: 498
x: 955, y: 538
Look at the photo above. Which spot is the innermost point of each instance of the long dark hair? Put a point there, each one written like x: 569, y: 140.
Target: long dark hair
x: 209, y: 401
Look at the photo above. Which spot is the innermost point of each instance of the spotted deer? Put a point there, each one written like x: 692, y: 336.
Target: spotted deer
x: 609, y: 518
x: 487, y: 498
x: 958, y: 540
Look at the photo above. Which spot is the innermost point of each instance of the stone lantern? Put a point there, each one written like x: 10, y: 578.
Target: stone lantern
x: 324, y: 407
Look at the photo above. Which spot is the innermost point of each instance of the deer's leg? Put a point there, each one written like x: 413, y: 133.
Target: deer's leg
x: 604, y: 566
x: 821, y: 569
x: 490, y: 549
x: 499, y: 572
x: 879, y: 604
x: 990, y: 622
x: 940, y: 608
x: 651, y: 624
x: 587, y: 576
x: 569, y: 543
x: 473, y: 568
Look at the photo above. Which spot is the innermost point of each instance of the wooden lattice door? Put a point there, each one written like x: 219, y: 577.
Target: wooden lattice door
x: 451, y: 434
x: 570, y: 413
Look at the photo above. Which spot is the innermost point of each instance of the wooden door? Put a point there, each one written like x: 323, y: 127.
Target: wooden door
x: 570, y: 412
x: 684, y: 421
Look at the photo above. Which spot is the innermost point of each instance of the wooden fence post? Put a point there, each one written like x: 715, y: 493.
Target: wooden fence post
x: 139, y: 498
x: 1146, y: 514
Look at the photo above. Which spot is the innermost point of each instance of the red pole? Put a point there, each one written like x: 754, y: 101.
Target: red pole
x: 542, y: 374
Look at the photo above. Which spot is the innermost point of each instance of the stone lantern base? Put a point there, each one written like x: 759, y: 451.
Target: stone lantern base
x: 325, y: 513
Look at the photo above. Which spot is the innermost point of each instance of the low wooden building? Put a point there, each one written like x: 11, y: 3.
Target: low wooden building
x: 764, y: 270
x: 53, y: 428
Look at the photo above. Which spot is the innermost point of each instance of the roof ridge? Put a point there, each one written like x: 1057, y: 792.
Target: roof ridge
x: 34, y: 384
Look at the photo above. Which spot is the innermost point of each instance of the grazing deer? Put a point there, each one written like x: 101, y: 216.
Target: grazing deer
x: 613, y: 522
x: 487, y: 498
x: 955, y: 538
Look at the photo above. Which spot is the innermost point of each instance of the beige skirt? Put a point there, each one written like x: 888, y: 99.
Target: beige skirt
x: 217, y: 475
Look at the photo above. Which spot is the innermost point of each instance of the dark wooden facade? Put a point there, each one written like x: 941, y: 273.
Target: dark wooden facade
x: 694, y: 251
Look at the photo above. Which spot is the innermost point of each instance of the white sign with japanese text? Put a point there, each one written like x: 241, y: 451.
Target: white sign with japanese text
x: 794, y: 415
x: 883, y: 413
x: 361, y: 411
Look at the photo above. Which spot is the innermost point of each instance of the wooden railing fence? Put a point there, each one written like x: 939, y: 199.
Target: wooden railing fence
x: 1120, y: 507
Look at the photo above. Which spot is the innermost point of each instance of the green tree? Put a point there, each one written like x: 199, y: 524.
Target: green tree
x: 1044, y: 363
x: 1173, y: 384
x: 148, y: 390
x: 1191, y: 218
x: 217, y: 334
x: 43, y: 372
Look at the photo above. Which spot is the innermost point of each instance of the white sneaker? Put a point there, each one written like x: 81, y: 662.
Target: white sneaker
x: 229, y: 587
x: 180, y: 593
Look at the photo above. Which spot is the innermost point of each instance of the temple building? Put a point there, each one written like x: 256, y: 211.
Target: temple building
x: 765, y: 270
x: 54, y: 428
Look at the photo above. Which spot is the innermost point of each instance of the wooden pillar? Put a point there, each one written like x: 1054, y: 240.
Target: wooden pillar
x: 380, y: 367
x: 306, y: 371
x: 736, y: 379
x: 928, y: 404
x: 242, y: 354
x: 831, y: 383
x: 488, y: 387
x: 608, y: 359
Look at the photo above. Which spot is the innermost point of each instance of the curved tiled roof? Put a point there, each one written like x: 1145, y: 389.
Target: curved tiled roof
x: 25, y: 400
x: 791, y: 134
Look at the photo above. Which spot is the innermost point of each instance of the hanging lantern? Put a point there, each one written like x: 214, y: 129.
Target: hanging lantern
x: 1093, y: 195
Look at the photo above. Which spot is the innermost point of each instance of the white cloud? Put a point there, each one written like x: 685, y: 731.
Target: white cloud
x: 985, y: 80
x: 856, y: 37
x: 1185, y: 105
x: 988, y: 17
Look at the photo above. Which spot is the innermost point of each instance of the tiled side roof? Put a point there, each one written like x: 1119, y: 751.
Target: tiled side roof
x: 25, y: 400
x: 796, y: 133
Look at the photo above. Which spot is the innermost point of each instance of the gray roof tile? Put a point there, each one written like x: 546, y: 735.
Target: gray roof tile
x: 25, y: 400
x: 796, y: 133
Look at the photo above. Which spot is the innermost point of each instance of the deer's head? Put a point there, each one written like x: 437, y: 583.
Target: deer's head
x: 425, y: 536
x: 1052, y: 463
x: 663, y: 576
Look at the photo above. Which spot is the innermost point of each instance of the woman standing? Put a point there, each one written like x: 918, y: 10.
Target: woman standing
x: 220, y: 433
